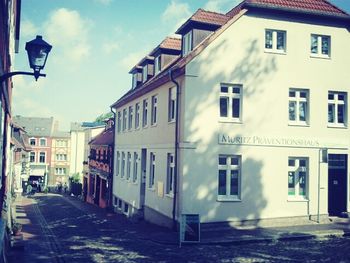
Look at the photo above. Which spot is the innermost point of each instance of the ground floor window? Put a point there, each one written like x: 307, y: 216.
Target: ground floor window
x: 297, y: 176
x: 229, y: 177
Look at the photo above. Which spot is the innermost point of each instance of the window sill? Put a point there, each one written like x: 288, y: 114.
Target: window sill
x: 171, y: 121
x: 154, y: 125
x: 228, y: 199
x: 276, y: 51
x: 224, y: 120
x: 170, y: 195
x: 152, y: 189
x: 145, y: 127
x: 299, y: 124
x: 297, y: 199
x: 320, y: 56
x: 337, y: 126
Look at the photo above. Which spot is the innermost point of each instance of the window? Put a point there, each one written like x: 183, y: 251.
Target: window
x: 124, y: 119
x: 32, y: 141
x: 145, y: 113
x: 337, y: 108
x: 134, y: 80
x: 61, y: 157
x: 117, y: 164
x: 144, y: 73
x: 275, y: 40
x: 42, y: 157
x: 119, y: 121
x: 123, y: 166
x: 187, y: 43
x: 297, y: 177
x: 152, y: 168
x: 128, y: 166
x: 172, y: 104
x: 154, y: 110
x: 229, y: 177
x: 32, y: 157
x: 230, y: 102
x: 135, y: 168
x: 298, y: 106
x: 42, y: 142
x: 137, y: 115
x: 126, y: 208
x: 170, y: 174
x: 60, y: 171
x: 131, y: 113
x: 157, y: 65
x: 320, y: 45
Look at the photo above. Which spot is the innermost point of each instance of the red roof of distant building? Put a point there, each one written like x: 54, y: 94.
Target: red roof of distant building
x: 171, y: 43
x: 309, y: 6
x: 105, y: 138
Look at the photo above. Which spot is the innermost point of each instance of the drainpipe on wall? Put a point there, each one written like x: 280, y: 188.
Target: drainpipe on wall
x: 112, y: 157
x: 177, y: 117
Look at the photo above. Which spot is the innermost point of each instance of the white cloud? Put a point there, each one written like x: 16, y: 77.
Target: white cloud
x: 176, y: 14
x: 28, y: 29
x: 110, y: 47
x: 221, y: 6
x: 131, y: 59
x: 68, y: 32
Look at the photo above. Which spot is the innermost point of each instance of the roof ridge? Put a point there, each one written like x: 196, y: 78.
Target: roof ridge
x: 213, y: 12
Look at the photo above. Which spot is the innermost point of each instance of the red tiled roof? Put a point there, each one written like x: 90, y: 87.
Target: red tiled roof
x: 105, y: 138
x: 206, y: 17
x: 171, y: 43
x: 309, y: 6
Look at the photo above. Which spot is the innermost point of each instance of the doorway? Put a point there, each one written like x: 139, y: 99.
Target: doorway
x: 337, y: 183
x: 143, y: 176
x: 97, y: 192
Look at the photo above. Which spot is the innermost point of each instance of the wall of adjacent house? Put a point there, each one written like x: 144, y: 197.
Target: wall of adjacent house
x: 238, y: 56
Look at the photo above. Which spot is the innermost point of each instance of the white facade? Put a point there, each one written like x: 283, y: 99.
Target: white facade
x: 277, y: 169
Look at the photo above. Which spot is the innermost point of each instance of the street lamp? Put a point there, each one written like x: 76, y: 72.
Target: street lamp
x: 37, y: 50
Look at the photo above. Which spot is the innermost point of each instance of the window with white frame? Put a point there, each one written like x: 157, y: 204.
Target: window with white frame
x: 42, y: 142
x: 187, y: 43
x: 298, y: 106
x: 119, y: 121
x: 145, y: 112
x: 154, y: 110
x: 275, y: 40
x: 157, y: 65
x: 229, y: 177
x: 128, y: 166
x: 320, y: 45
x: 135, y: 167
x: 124, y: 119
x: 170, y: 174
x: 152, y: 167
x: 230, y: 102
x: 122, y: 166
x: 131, y: 116
x: 172, y: 104
x: 337, y: 108
x: 144, y: 73
x: 32, y: 157
x: 137, y: 115
x: 134, y: 80
x: 297, y: 177
x: 32, y: 141
x: 60, y: 170
x: 61, y: 157
x: 42, y: 157
x: 117, y: 165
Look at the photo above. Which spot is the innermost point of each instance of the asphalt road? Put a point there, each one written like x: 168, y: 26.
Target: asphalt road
x: 61, y: 230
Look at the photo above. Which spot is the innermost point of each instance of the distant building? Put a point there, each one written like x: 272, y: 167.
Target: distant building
x: 97, y: 183
x: 60, y: 158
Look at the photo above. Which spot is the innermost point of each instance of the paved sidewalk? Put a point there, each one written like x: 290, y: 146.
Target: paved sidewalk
x: 210, y: 234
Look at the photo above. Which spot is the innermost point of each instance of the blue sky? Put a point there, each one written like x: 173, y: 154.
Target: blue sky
x: 95, y: 44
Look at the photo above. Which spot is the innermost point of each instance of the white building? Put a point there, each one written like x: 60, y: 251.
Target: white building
x: 263, y: 101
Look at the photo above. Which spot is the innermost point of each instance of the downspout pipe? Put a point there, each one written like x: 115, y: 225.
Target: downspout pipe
x: 176, y: 154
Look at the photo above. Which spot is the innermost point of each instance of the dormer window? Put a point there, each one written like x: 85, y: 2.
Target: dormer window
x: 157, y: 65
x: 187, y: 43
x: 144, y: 73
x: 134, y: 80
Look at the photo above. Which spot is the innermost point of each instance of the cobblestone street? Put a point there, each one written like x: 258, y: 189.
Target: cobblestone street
x: 63, y: 229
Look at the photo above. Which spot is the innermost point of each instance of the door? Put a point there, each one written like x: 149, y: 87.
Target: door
x: 337, y: 183
x: 97, y: 192
x: 143, y: 176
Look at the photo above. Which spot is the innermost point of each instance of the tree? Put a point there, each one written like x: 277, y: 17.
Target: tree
x: 104, y: 117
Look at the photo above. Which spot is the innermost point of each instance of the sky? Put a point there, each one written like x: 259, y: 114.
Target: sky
x: 95, y: 44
